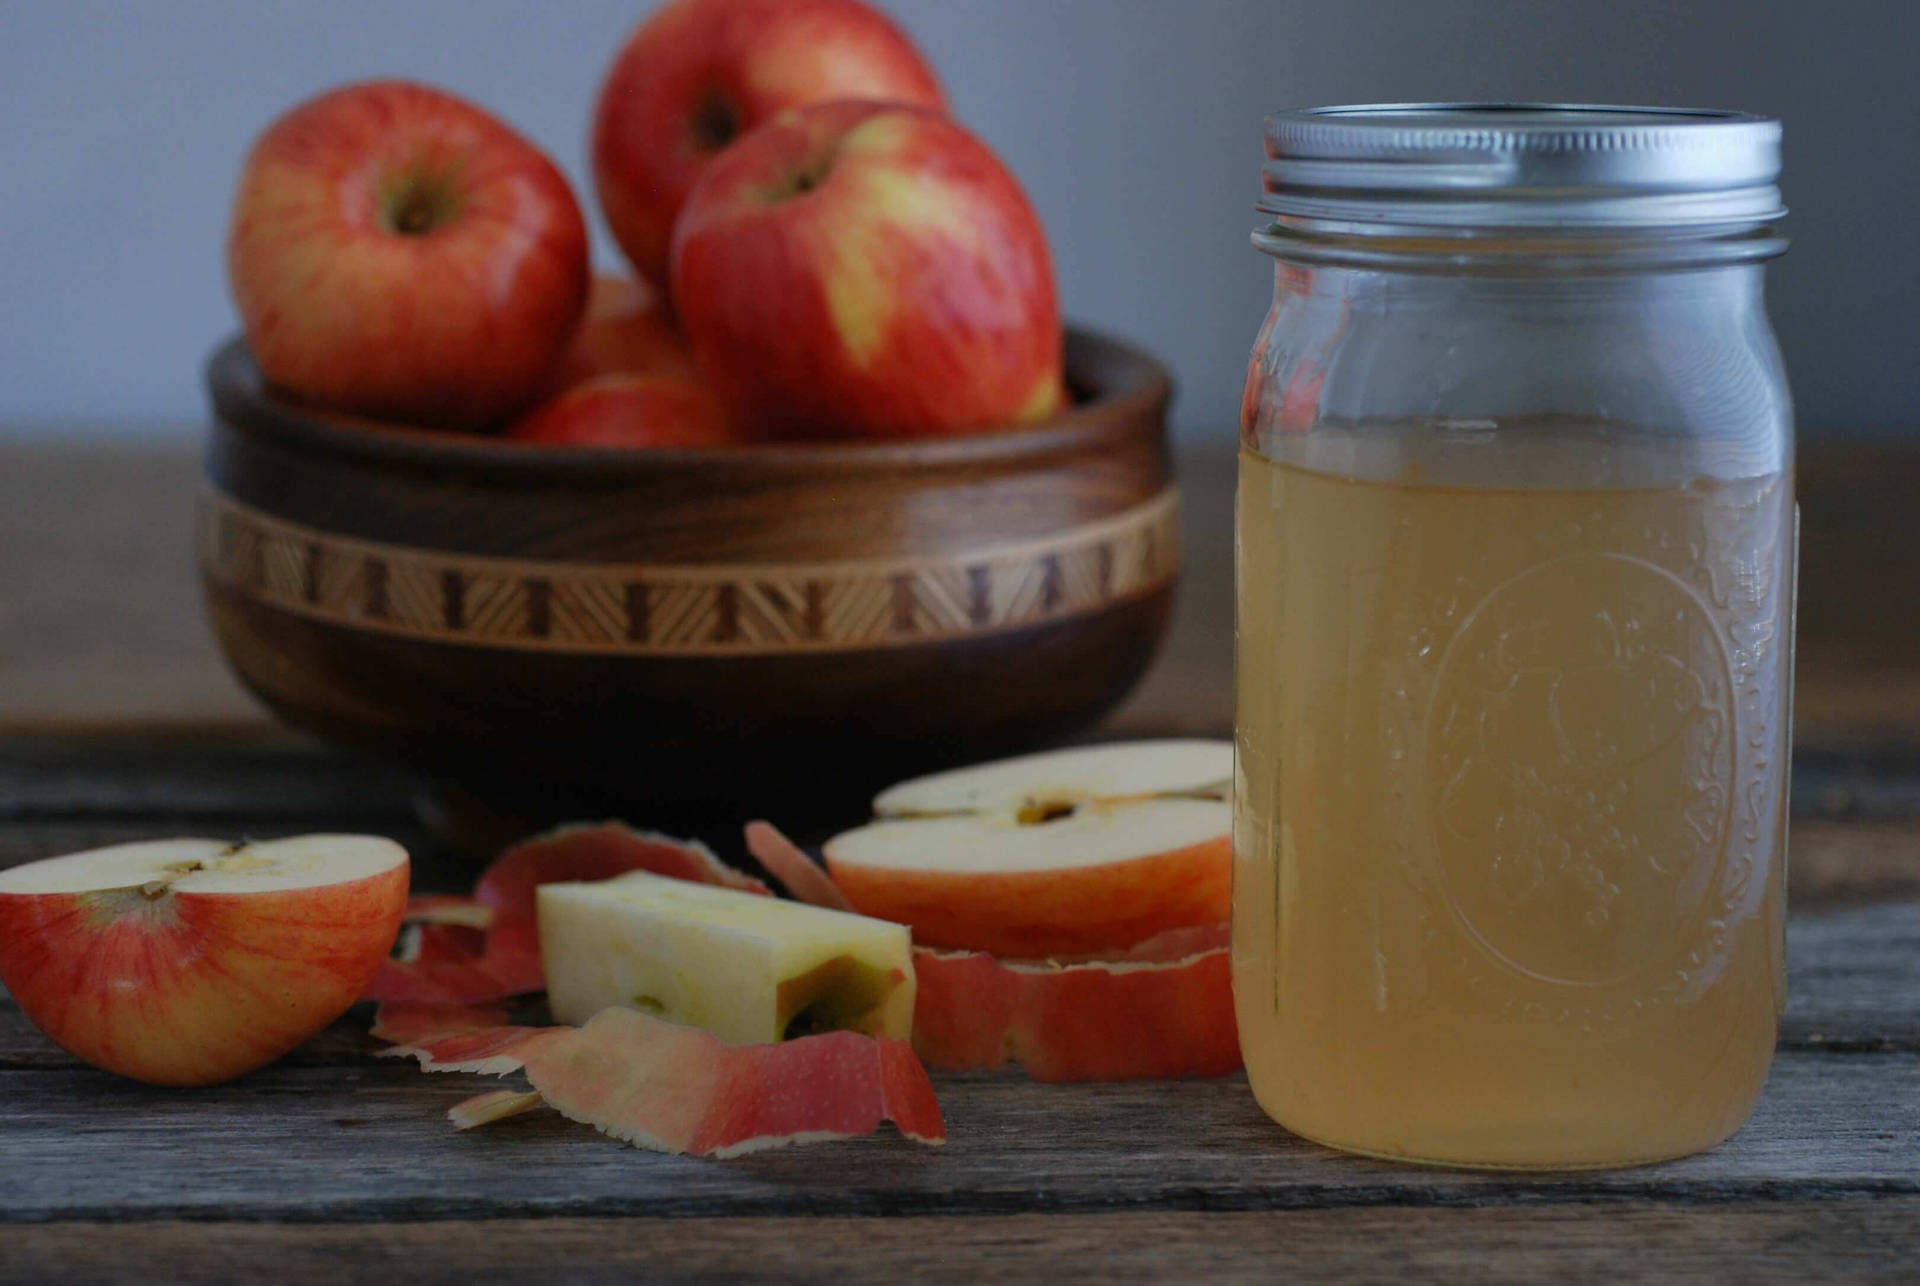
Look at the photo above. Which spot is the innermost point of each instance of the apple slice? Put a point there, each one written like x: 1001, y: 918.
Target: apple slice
x: 1076, y: 852
x: 749, y: 969
x: 192, y: 961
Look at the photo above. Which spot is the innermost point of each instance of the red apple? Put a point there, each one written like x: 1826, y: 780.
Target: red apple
x: 395, y: 251
x: 192, y: 961
x: 865, y: 270
x: 627, y: 331
x: 699, y: 73
x: 629, y: 411
x: 1074, y: 853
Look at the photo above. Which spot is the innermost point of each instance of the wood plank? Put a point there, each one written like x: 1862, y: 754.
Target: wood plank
x: 1835, y: 862
x: 371, y: 1143
x: 63, y: 793
x: 1853, y: 979
x: 1872, y: 1239
x: 168, y: 776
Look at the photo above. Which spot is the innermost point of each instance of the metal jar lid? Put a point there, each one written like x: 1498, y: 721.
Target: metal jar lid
x: 1456, y: 166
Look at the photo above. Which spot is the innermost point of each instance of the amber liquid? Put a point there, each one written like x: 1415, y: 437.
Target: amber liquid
x: 1510, y: 810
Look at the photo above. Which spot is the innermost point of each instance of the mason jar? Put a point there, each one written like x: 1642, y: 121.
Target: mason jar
x: 1515, y: 562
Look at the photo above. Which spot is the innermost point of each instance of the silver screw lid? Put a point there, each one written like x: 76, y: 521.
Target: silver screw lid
x: 1512, y: 165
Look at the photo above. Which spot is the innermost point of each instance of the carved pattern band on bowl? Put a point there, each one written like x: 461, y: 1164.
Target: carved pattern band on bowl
x: 691, y: 609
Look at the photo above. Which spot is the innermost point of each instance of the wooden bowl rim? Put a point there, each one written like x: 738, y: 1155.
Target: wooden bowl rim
x: 1140, y: 393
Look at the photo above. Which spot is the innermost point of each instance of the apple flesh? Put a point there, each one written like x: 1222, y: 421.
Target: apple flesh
x: 629, y: 411
x: 699, y: 73
x: 868, y: 270
x: 749, y: 969
x: 1074, y: 853
x: 397, y: 252
x: 192, y: 961
x: 1033, y: 785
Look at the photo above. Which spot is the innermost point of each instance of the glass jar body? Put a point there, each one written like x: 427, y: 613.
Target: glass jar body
x: 1515, y: 585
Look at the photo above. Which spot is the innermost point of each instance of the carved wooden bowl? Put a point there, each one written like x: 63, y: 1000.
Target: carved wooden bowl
x: 669, y: 635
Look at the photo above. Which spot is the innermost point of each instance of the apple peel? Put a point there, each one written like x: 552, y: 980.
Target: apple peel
x: 412, y: 1024
x: 1159, y: 1011
x: 445, y: 969
x: 446, y: 908
x: 458, y: 1038
x: 798, y: 874
x: 494, y: 1105
x: 671, y: 1088
x: 437, y: 965
x: 488, y: 1051
x: 677, y: 1089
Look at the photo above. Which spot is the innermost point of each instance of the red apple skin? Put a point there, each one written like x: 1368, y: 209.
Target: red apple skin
x: 1115, y: 1022
x: 871, y: 271
x: 629, y: 411
x: 1039, y: 915
x: 699, y: 73
x: 195, y: 988
x: 397, y: 252
x: 627, y: 331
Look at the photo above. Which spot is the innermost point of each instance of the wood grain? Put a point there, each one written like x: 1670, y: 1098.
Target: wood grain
x: 369, y: 1142
x: 1847, y: 1239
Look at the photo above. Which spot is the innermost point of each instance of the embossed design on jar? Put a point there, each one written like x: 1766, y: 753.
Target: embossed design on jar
x: 1580, y: 768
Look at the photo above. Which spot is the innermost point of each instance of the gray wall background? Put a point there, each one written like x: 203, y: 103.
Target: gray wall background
x: 1135, y: 125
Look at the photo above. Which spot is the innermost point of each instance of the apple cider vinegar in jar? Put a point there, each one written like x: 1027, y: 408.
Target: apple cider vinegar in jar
x: 1515, y: 601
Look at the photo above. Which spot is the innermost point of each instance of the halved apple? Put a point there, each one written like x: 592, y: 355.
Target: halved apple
x: 1075, y: 852
x: 191, y: 961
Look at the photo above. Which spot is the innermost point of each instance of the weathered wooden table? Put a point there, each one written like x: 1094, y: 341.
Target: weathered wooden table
x: 117, y: 722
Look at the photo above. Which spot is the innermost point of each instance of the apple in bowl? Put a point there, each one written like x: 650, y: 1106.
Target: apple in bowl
x: 628, y: 410
x: 627, y: 330
x: 699, y: 73
x: 397, y: 252
x: 868, y: 270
